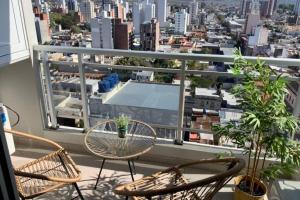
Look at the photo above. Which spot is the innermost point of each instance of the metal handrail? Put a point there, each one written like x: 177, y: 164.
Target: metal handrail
x: 284, y: 62
x: 80, y: 51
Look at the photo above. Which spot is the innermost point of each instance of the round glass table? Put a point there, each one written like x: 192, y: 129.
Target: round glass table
x: 103, y: 141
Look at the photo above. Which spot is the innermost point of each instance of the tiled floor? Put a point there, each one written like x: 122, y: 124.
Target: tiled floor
x: 114, y: 173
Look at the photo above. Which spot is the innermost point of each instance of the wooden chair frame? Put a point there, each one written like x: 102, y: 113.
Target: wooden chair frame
x: 182, y: 189
x: 52, y: 171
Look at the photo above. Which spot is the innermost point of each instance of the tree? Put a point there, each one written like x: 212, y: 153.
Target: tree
x: 163, y: 63
x: 266, y: 128
x: 200, y: 82
x: 55, y: 19
x: 196, y: 65
x: 75, y: 29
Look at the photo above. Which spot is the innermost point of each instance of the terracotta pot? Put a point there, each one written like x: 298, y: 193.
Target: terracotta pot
x: 241, y: 195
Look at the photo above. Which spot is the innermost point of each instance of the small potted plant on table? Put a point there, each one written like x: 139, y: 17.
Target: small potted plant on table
x: 265, y: 130
x: 122, y: 125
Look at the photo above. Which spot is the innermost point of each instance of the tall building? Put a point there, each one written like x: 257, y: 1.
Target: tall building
x: 253, y: 18
x: 122, y: 34
x: 73, y: 5
x: 162, y: 12
x: 245, y: 7
x: 87, y: 9
x: 150, y: 33
x: 271, y: 7
x: 62, y: 4
x: 194, y: 12
x: 148, y: 11
x: 102, y: 32
x: 297, y: 7
x: 42, y: 25
x: 181, y: 21
x: 119, y: 11
x: 202, y: 17
x: 142, y: 12
x: 136, y: 12
x: 260, y: 37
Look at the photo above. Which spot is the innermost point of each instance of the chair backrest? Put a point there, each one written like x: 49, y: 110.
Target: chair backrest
x: 176, y: 189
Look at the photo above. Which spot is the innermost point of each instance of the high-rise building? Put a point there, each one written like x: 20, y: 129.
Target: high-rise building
x: 62, y: 4
x: 102, y: 32
x: 271, y: 7
x: 119, y: 11
x: 122, y: 34
x: 42, y: 23
x: 245, y: 7
x: 150, y: 33
x: 181, y: 21
x: 253, y: 18
x: 73, y: 5
x: 161, y: 12
x: 202, y: 17
x: 194, y: 12
x: 136, y: 12
x: 297, y: 7
x: 260, y: 36
x: 148, y: 11
x: 142, y: 12
x: 87, y: 9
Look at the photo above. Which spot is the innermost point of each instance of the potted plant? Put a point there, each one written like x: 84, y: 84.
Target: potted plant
x: 122, y: 125
x: 266, y: 128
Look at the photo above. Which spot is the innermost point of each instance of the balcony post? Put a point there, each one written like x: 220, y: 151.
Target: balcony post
x: 49, y: 91
x: 296, y: 110
x: 40, y: 87
x: 83, y: 92
x: 178, y: 139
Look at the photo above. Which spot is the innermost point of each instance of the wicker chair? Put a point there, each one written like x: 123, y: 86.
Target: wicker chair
x: 47, y: 173
x: 171, y: 184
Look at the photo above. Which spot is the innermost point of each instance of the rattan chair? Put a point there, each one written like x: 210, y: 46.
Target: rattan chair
x: 47, y: 173
x: 171, y: 184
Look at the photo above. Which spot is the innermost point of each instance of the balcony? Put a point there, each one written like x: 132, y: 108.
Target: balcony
x: 69, y: 106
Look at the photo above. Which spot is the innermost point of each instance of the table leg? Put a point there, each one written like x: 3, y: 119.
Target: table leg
x: 99, y: 174
x: 129, y: 165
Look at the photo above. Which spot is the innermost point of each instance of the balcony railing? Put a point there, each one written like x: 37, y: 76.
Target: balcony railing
x: 42, y: 64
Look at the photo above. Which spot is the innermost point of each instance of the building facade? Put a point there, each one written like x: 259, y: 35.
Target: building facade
x: 102, y: 33
x: 297, y: 7
x: 260, y: 36
x: 122, y: 34
x: 181, y: 21
x: 73, y: 5
x: 150, y: 33
x: 148, y: 11
x: 194, y: 12
x: 136, y: 15
x: 253, y: 18
x: 87, y: 9
x: 162, y: 12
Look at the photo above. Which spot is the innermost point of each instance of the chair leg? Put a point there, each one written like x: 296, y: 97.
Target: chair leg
x: 99, y: 174
x: 129, y: 165
x: 133, y: 167
x: 78, y: 191
x: 75, y: 184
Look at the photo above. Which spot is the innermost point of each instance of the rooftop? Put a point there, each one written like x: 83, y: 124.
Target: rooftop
x: 148, y: 95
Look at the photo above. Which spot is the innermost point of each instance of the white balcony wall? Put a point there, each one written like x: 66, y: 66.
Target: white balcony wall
x: 18, y: 84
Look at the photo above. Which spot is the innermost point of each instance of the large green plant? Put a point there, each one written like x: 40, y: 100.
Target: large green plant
x: 266, y: 128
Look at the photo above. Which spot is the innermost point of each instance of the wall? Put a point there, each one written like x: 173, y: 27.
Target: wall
x: 18, y: 85
x: 18, y: 90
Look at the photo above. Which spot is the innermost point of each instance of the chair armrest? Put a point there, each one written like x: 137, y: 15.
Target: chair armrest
x: 44, y: 177
x: 30, y: 136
